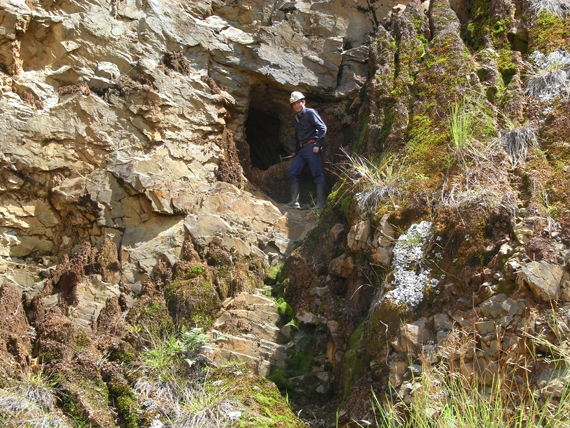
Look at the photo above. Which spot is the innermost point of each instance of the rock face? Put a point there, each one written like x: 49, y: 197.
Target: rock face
x: 142, y: 188
x: 140, y: 170
x: 131, y: 122
x: 441, y: 255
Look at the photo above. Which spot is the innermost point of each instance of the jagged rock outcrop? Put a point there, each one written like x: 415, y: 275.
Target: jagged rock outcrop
x: 142, y: 176
x: 129, y: 121
x: 474, y: 255
x: 135, y: 139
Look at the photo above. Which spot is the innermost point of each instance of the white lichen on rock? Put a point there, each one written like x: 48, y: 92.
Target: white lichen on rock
x: 409, y: 277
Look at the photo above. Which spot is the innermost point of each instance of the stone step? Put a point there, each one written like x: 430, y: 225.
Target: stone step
x: 258, y: 366
x: 252, y: 338
x: 248, y: 327
x: 251, y: 302
x: 250, y: 346
x: 258, y: 316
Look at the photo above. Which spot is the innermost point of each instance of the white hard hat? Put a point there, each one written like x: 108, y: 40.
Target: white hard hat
x: 296, y: 96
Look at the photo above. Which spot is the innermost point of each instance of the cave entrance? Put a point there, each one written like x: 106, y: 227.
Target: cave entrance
x: 263, y: 133
x: 270, y: 135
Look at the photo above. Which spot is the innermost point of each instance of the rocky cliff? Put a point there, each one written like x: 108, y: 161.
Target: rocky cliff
x: 142, y: 191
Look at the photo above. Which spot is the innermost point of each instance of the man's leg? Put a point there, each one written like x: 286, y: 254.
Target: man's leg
x: 318, y: 178
x: 293, y: 174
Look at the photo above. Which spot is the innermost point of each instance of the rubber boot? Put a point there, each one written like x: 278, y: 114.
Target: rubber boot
x: 320, y: 197
x: 294, y: 196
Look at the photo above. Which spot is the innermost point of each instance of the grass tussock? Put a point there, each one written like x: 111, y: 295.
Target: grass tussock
x: 471, y: 124
x: 516, y: 143
x: 167, y: 352
x: 31, y: 402
x: 460, y: 121
x: 178, y: 386
x: 374, y: 183
x: 549, y: 77
x: 192, y: 405
x: 560, y: 8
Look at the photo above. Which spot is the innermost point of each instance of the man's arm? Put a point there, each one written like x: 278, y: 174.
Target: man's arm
x: 320, y: 127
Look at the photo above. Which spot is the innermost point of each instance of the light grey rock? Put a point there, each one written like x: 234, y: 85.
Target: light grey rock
x: 414, y: 335
x: 485, y: 327
x: 542, y: 278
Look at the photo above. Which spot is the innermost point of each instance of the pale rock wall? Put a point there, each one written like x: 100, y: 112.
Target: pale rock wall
x: 100, y: 138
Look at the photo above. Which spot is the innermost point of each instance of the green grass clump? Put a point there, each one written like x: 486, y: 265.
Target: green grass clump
x: 170, y: 355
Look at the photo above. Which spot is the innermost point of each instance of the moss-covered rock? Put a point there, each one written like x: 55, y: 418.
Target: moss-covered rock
x: 83, y: 392
x: 122, y: 395
x: 261, y: 403
x: 193, y: 298
x: 150, y: 316
x: 59, y: 338
x: 549, y: 33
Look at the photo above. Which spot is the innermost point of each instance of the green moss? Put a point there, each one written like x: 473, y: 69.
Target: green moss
x: 82, y: 396
x: 285, y: 310
x: 360, y: 143
x: 123, y: 351
x: 428, y: 154
x: 341, y: 198
x: 352, y: 362
x: 259, y: 399
x: 125, y: 402
x: 444, y: 67
x: 75, y: 411
x: 273, y: 275
x: 482, y: 24
x: 549, y: 33
x: 298, y: 379
x: 388, y: 119
x: 192, y: 301
x: 194, y: 271
x: 81, y: 341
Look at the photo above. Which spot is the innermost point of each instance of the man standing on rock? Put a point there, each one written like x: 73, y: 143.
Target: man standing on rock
x: 310, y: 131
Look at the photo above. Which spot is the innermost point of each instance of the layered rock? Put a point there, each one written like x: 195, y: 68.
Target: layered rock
x: 246, y: 331
x: 121, y: 121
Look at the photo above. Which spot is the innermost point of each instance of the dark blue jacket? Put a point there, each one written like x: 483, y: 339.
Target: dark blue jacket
x: 309, y: 126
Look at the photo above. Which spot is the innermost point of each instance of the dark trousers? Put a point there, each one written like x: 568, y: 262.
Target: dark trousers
x: 306, y: 157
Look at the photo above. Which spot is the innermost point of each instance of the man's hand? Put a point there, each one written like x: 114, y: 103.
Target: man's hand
x: 316, y: 149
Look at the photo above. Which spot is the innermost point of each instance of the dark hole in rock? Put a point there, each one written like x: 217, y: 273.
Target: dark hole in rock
x: 518, y: 43
x: 262, y: 130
